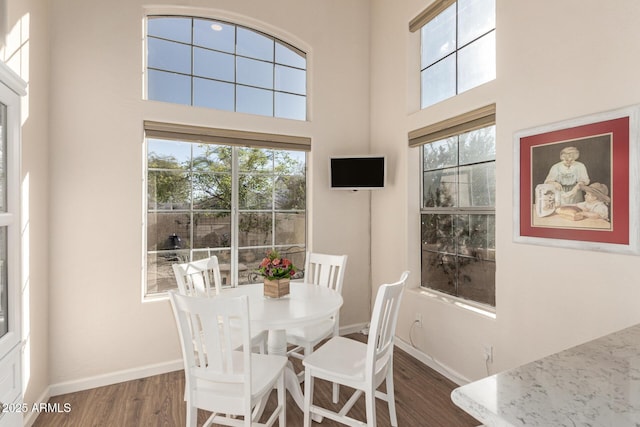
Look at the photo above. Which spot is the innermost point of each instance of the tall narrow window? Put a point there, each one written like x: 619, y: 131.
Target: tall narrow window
x: 11, y: 89
x: 457, y: 47
x: 230, y: 201
x: 458, y: 206
x: 215, y: 64
x: 4, y: 223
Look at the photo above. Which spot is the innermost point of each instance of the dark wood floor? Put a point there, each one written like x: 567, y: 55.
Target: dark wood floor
x: 422, y: 399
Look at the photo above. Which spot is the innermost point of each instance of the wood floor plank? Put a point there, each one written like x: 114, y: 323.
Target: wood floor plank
x: 422, y: 400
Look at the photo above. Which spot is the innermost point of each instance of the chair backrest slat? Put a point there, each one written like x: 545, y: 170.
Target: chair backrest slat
x: 206, y: 332
x: 325, y: 270
x: 199, y: 278
x: 328, y: 271
x: 383, y: 323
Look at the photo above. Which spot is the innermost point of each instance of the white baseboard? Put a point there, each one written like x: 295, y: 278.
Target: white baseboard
x: 115, y: 377
x: 175, y: 365
x: 429, y: 361
x: 432, y: 363
x: 352, y: 329
x: 141, y: 372
x: 31, y: 416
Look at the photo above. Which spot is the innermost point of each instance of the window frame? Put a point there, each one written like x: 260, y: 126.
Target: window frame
x: 12, y: 88
x: 432, y: 12
x: 235, y: 140
x: 236, y: 84
x: 480, y: 118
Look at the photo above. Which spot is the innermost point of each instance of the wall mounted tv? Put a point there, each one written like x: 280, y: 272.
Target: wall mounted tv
x: 358, y: 172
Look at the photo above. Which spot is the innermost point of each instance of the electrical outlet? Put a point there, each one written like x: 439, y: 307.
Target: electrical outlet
x: 488, y: 352
x: 418, y: 319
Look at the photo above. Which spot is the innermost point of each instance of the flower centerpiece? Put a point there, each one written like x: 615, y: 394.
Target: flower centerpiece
x: 277, y: 272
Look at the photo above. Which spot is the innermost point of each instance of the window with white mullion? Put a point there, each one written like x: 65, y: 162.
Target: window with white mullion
x: 227, y: 214
x: 458, y: 215
x: 234, y: 212
x: 11, y: 90
x: 6, y: 219
x: 249, y: 86
x: 457, y: 50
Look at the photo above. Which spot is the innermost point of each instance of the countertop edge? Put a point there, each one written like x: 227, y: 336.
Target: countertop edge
x: 476, y: 410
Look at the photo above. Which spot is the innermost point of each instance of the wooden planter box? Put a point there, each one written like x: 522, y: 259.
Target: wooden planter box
x: 276, y: 288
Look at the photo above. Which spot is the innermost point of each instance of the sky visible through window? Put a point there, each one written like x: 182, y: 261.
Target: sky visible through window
x: 214, y: 64
x: 457, y: 50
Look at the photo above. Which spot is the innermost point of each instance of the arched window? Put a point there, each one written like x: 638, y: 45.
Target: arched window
x: 214, y: 64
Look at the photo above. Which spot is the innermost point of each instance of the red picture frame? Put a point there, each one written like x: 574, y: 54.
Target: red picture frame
x: 564, y: 170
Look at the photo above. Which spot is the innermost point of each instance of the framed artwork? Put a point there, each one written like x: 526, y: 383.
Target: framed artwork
x: 576, y: 183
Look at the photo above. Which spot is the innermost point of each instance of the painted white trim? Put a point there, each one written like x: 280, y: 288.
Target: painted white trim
x: 115, y: 377
x: 12, y: 80
x: 427, y: 360
x: 352, y: 329
x: 137, y: 373
x: 465, y: 304
x: 228, y: 16
x: 32, y: 416
x: 175, y: 365
x: 432, y: 363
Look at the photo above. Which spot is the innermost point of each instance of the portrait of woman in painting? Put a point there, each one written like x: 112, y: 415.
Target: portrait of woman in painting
x: 561, y: 175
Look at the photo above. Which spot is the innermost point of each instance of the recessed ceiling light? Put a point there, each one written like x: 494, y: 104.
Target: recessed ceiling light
x: 216, y: 27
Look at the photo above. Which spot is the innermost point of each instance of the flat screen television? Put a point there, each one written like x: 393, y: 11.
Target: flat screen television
x: 358, y: 172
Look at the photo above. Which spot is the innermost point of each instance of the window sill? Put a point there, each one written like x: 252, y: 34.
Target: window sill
x: 160, y: 296
x: 474, y: 307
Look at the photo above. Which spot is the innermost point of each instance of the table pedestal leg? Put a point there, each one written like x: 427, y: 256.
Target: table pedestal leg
x: 277, y: 344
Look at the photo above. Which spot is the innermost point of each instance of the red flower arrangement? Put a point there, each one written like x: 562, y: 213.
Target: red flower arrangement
x: 274, y: 267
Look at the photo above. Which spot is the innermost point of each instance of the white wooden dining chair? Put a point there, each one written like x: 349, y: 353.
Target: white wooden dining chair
x: 199, y: 278
x: 322, y: 270
x: 202, y: 278
x: 219, y: 378
x: 361, y: 366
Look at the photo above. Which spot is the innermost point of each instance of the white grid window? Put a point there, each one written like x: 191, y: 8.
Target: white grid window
x: 230, y: 201
x: 215, y: 64
x: 458, y: 50
x: 458, y: 215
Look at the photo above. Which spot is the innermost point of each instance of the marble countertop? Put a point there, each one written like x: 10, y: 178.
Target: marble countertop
x: 593, y: 384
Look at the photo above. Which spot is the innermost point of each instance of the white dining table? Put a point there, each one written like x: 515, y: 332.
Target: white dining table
x: 305, y: 304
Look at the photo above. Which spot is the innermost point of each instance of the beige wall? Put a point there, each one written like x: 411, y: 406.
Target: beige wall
x: 98, y: 324
x: 555, y: 61
x: 24, y: 46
